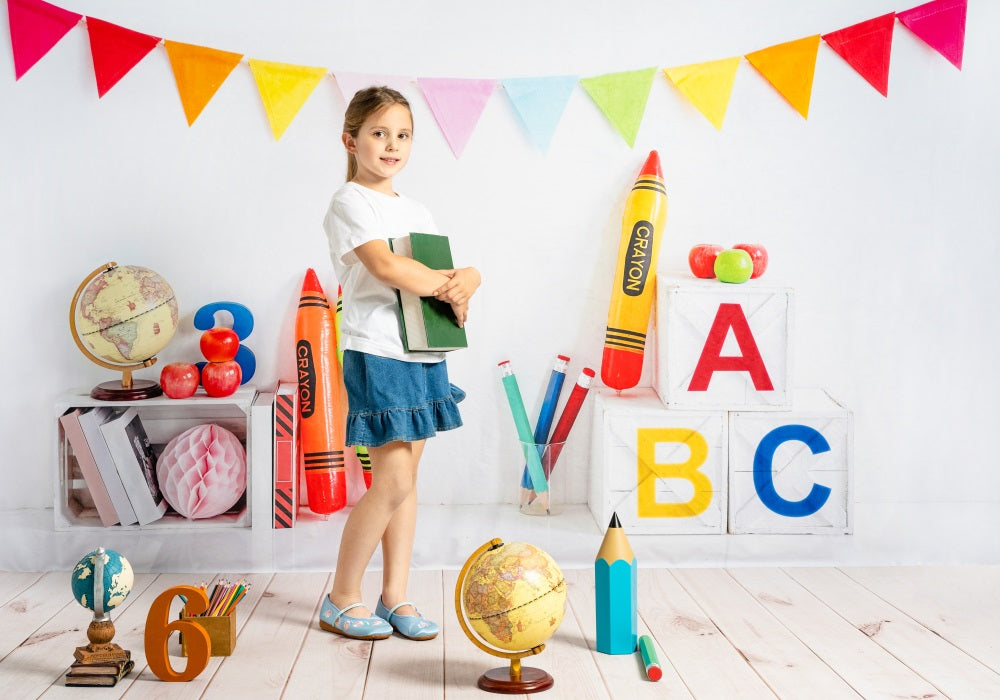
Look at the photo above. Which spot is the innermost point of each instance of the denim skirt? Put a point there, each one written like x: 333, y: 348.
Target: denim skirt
x: 391, y: 400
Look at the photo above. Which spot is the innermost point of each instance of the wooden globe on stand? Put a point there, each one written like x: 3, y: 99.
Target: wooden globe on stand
x: 145, y: 307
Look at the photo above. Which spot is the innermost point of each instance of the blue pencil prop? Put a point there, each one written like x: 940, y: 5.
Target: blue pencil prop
x: 538, y: 481
x: 615, y: 592
x: 545, y: 418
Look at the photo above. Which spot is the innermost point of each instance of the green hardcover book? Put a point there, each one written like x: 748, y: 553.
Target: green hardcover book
x: 428, y: 324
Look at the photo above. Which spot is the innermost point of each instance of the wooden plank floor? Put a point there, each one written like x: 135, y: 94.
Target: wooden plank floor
x: 894, y: 632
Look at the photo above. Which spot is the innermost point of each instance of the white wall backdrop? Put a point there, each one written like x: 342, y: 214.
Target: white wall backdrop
x: 883, y: 214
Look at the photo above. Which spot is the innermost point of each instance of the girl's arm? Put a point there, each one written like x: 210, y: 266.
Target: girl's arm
x: 397, y: 271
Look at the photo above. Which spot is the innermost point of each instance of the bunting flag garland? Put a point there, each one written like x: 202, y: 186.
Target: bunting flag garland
x: 867, y: 46
x: 199, y: 72
x: 941, y: 25
x: 35, y: 27
x: 115, y: 51
x: 622, y: 98
x: 350, y: 83
x: 284, y: 88
x: 707, y: 86
x: 790, y: 67
x: 540, y: 103
x: 456, y: 104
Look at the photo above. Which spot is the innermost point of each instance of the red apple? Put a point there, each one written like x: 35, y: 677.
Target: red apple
x: 179, y: 379
x: 219, y: 344
x: 758, y: 254
x: 221, y: 378
x: 701, y: 260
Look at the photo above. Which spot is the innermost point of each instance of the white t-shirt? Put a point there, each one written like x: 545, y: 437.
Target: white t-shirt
x: 370, y: 318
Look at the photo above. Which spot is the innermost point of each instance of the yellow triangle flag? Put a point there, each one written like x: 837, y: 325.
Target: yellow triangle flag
x: 199, y: 72
x: 707, y: 85
x: 790, y: 67
x: 284, y: 88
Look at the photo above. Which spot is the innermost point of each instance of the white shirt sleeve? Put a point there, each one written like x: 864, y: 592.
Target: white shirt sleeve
x: 351, y: 221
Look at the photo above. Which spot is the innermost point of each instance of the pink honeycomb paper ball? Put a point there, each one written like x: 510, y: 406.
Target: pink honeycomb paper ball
x: 203, y: 471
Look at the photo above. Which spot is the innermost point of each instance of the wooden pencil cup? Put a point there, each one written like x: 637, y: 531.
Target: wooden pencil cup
x: 221, y: 631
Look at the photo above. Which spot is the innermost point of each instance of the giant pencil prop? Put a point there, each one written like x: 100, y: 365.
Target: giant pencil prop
x: 615, y: 585
x: 635, y: 275
x: 321, y: 416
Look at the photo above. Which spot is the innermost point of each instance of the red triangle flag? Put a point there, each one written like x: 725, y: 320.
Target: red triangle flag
x: 867, y: 46
x: 115, y: 50
x: 941, y: 25
x: 35, y: 27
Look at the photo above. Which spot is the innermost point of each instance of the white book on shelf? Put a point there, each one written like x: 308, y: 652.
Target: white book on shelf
x: 133, y: 455
x: 91, y: 422
x: 88, y: 466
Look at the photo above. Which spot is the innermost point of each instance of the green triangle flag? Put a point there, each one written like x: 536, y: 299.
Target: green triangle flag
x: 622, y: 97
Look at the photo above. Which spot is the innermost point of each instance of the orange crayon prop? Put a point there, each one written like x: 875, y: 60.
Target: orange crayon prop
x: 635, y: 277
x: 322, y: 421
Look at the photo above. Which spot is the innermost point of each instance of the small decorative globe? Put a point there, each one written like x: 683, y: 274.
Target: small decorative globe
x: 126, y: 314
x: 514, y: 596
x: 117, y: 575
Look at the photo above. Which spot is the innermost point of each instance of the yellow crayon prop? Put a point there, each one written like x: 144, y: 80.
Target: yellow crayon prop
x: 635, y: 277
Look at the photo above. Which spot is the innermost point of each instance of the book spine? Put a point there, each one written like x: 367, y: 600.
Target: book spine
x: 91, y: 423
x: 88, y: 467
x: 135, y: 460
x: 260, y: 442
x: 284, y: 504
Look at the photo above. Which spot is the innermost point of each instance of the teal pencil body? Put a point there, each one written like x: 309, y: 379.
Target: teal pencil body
x: 615, y: 587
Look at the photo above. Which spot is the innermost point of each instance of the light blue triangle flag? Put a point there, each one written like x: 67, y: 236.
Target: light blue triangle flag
x: 540, y: 103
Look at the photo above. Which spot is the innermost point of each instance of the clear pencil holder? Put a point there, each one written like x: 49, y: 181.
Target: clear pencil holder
x: 547, y: 497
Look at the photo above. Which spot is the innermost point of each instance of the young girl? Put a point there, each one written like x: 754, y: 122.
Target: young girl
x: 397, y: 399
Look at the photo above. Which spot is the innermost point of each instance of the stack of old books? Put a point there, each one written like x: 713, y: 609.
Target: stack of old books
x: 104, y: 673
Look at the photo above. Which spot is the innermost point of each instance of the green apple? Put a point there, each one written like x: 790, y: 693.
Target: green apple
x: 734, y: 266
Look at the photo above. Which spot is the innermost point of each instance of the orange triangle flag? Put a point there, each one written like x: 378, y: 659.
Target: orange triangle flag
x: 867, y: 46
x: 790, y: 67
x: 284, y: 88
x: 707, y: 85
x: 199, y: 72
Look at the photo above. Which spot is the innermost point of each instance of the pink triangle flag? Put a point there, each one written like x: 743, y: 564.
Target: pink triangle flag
x: 115, y: 50
x: 941, y: 25
x: 350, y: 83
x: 35, y: 27
x: 867, y: 46
x: 456, y: 104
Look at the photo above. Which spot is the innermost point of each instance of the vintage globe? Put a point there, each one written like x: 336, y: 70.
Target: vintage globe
x: 514, y: 596
x: 125, y: 314
x: 114, y: 579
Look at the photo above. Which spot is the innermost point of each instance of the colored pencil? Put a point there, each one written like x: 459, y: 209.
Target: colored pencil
x: 545, y: 417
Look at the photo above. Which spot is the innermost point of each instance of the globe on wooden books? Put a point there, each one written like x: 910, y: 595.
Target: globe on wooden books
x: 120, y: 318
x: 101, y: 581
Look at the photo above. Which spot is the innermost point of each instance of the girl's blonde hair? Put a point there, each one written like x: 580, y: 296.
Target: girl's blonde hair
x: 366, y: 102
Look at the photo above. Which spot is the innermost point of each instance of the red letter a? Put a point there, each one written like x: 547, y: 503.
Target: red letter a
x: 730, y: 316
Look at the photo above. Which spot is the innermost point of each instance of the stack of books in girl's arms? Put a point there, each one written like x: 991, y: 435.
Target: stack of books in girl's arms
x: 107, y: 673
x: 117, y: 463
x: 428, y: 324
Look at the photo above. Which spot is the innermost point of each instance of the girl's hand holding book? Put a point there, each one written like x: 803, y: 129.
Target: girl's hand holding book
x: 460, y: 287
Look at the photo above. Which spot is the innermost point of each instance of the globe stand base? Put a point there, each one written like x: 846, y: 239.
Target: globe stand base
x: 500, y: 680
x: 114, y: 391
x: 100, y: 654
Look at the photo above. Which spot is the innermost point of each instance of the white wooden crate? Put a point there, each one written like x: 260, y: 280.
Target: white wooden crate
x: 636, y: 441
x: 752, y: 321
x: 809, y: 451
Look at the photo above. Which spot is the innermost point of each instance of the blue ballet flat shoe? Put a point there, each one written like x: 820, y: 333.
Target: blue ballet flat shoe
x: 333, y: 619
x: 416, y: 627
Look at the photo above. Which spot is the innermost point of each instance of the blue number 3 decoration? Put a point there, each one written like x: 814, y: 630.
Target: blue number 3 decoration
x: 204, y: 319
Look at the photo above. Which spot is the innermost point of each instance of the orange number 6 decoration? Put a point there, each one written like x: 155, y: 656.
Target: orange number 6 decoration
x: 158, y: 629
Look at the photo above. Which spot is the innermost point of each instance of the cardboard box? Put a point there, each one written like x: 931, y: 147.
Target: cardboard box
x: 722, y: 346
x: 221, y: 632
x: 805, y: 457
x: 662, y: 471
